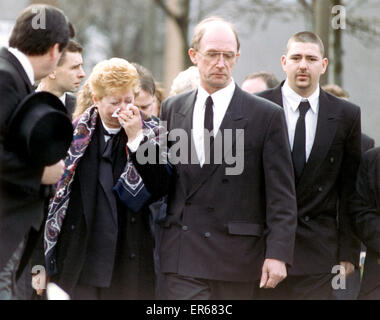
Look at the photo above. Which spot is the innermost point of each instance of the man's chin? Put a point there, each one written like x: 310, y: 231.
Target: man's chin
x: 219, y: 83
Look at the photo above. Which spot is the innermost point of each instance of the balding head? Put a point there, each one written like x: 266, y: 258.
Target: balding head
x: 208, y: 23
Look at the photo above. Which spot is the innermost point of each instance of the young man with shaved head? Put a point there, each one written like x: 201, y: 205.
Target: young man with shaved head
x: 325, y: 138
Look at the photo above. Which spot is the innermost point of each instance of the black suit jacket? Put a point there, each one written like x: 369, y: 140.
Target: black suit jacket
x: 70, y: 103
x: 21, y: 193
x: 367, y: 143
x: 219, y: 226
x: 365, y: 208
x: 324, y: 231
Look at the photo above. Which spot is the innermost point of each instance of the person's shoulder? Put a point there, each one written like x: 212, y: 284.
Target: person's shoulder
x: 260, y: 102
x: 177, y: 102
x: 372, y: 155
x: 267, y: 94
x: 179, y: 97
x: 343, y: 104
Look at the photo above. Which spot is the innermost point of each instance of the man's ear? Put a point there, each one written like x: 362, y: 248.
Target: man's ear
x: 54, y: 52
x: 325, y: 63
x: 193, y: 56
x: 283, y: 62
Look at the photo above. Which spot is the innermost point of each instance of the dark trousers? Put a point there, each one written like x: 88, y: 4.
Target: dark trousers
x: 308, y: 287
x: 8, y: 274
x: 352, y: 289
x: 177, y: 287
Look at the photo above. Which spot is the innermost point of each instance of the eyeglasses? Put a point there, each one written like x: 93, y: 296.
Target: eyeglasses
x: 213, y: 56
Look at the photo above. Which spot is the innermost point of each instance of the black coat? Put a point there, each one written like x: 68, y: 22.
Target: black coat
x: 133, y: 275
x: 21, y: 194
x: 70, y: 103
x: 324, y: 232
x: 220, y: 226
x: 367, y: 143
x: 365, y: 208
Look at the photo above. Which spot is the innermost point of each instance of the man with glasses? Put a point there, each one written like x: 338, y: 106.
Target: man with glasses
x: 225, y: 233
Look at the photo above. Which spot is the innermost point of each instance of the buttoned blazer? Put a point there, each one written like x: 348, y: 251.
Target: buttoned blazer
x: 324, y: 233
x: 222, y: 226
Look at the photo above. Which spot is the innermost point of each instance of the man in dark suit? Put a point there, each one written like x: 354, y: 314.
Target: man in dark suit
x: 230, y: 224
x: 67, y: 77
x: 34, y: 52
x: 367, y: 141
x: 365, y: 209
x: 324, y: 134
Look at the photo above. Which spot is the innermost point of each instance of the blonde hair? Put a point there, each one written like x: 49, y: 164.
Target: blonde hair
x: 113, y: 76
x: 108, y: 77
x: 84, y: 100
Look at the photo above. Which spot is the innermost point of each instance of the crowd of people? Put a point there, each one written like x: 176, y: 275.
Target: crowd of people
x: 77, y: 200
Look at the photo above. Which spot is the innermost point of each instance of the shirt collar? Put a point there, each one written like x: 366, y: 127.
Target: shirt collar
x: 63, y: 98
x: 110, y: 130
x: 219, y: 97
x: 24, y: 61
x: 295, y: 99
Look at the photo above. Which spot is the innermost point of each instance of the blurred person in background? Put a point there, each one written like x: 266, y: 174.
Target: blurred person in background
x: 67, y: 77
x: 144, y: 99
x: 259, y: 81
x: 159, y: 96
x: 187, y: 80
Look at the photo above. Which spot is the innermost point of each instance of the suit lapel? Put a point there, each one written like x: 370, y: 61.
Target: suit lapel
x: 183, y: 118
x: 327, y: 125
x: 5, y: 54
x: 232, y: 120
x: 277, y: 95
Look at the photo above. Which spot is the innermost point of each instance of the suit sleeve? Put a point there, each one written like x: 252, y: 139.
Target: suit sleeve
x: 158, y: 175
x: 281, y: 204
x: 349, y: 245
x: 363, y: 206
x: 16, y: 172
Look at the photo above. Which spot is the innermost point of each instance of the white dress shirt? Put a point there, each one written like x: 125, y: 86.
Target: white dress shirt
x: 24, y: 61
x: 63, y: 98
x: 291, y: 101
x: 221, y: 99
x: 110, y: 131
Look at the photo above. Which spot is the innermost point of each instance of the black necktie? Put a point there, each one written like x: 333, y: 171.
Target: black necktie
x: 299, y: 152
x: 209, y: 126
x: 108, y: 145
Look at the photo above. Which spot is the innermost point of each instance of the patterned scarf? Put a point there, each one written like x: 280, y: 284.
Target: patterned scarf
x: 130, y: 188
